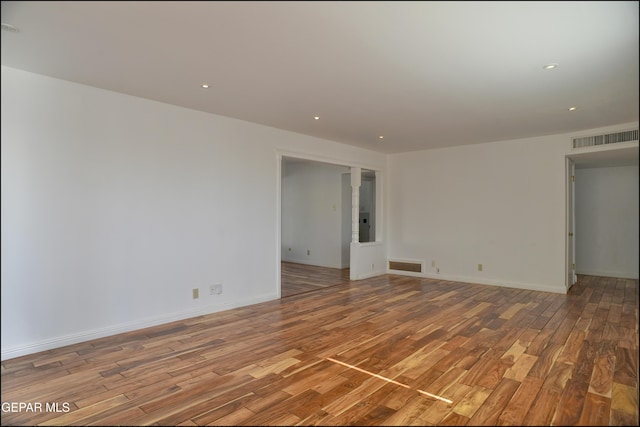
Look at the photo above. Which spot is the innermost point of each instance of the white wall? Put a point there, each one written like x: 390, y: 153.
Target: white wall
x: 115, y: 207
x: 607, y: 221
x: 499, y: 204
x: 367, y: 259
x: 312, y: 213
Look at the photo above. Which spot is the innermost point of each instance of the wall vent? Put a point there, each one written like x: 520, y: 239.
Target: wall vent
x: 608, y: 138
x: 405, y: 266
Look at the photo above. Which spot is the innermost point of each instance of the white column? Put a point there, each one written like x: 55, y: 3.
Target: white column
x: 356, y: 180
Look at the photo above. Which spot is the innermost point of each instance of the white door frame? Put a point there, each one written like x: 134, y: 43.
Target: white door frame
x: 570, y: 237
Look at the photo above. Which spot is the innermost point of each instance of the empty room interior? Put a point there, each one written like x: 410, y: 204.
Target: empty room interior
x: 319, y: 213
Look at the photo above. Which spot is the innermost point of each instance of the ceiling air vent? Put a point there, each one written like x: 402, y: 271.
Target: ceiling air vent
x: 608, y: 138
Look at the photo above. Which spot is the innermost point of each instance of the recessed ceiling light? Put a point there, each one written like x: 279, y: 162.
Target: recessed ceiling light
x: 316, y: 118
x: 549, y: 66
x: 381, y: 137
x: 9, y: 27
x: 205, y: 86
x: 572, y: 108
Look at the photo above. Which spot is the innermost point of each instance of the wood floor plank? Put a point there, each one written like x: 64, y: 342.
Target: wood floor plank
x: 493, y: 406
x: 472, y: 401
x: 520, y: 369
x: 373, y: 417
x: 571, y: 403
x: 446, y: 397
x: 389, y: 350
x: 625, y: 400
x: 602, y: 377
x: 540, y: 342
x: 558, y: 376
x: 545, y: 361
x: 626, y: 367
x: 516, y: 410
x: 410, y: 413
x: 595, y: 411
x: 571, y: 349
x: 543, y: 408
x: 453, y: 419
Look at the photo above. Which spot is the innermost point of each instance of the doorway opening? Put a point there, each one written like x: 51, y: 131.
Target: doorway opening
x: 313, y: 207
x: 320, y: 221
x: 602, y: 214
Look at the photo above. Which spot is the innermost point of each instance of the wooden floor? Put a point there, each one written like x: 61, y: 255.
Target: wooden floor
x: 390, y: 350
x: 301, y: 278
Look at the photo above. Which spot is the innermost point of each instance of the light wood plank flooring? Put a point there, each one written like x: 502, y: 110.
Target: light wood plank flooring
x: 302, y: 278
x: 390, y: 350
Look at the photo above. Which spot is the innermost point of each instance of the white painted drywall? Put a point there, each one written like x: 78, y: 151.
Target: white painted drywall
x: 312, y: 213
x: 499, y: 204
x: 115, y: 207
x: 367, y: 259
x: 607, y: 221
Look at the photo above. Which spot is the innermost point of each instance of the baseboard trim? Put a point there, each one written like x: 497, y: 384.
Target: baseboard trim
x: 297, y: 261
x: 489, y: 282
x: 57, y: 342
x: 370, y: 275
x: 600, y: 273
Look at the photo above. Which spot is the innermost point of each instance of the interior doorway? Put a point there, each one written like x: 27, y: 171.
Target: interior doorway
x: 314, y: 244
x: 602, y: 214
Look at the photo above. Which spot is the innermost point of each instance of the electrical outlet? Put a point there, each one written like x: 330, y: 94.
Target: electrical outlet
x: 308, y: 252
x: 196, y: 293
x: 437, y: 270
x: 433, y: 263
x: 215, y: 289
x: 479, y: 267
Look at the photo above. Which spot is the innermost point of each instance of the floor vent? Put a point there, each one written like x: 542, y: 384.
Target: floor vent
x: 608, y: 138
x: 405, y: 266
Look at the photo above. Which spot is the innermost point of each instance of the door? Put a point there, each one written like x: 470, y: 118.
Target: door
x: 571, y: 220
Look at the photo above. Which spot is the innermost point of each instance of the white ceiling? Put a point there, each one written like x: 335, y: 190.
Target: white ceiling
x: 423, y: 74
